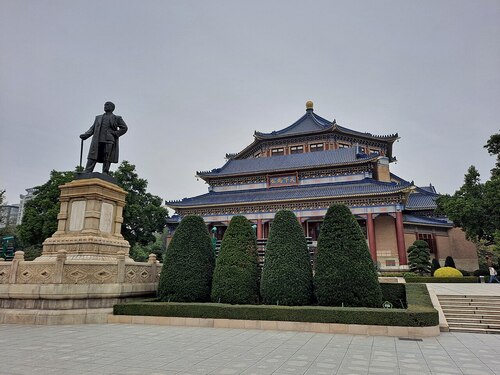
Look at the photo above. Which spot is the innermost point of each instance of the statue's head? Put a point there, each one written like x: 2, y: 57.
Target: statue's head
x: 109, y: 107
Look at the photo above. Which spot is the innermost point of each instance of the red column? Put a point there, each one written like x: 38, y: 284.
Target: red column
x: 259, y: 229
x: 400, y: 239
x: 371, y: 236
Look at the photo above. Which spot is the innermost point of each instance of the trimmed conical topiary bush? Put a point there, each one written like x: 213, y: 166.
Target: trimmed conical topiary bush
x: 236, y: 270
x: 449, y: 262
x: 419, y: 258
x: 345, y: 273
x: 434, y: 266
x: 287, y: 273
x: 188, y: 264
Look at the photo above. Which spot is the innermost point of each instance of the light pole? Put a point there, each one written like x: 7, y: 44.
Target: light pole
x: 214, y: 240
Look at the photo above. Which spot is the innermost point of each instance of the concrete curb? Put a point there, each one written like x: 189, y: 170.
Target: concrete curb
x: 353, y: 329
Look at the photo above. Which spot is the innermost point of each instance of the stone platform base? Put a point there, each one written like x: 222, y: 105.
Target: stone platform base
x: 352, y: 329
x: 66, y: 303
x: 54, y: 317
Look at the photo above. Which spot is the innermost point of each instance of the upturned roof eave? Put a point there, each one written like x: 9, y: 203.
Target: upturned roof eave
x: 420, y: 208
x: 174, y: 205
x: 253, y: 173
x: 445, y: 225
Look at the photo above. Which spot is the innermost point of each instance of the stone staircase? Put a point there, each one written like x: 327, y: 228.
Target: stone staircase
x: 468, y: 313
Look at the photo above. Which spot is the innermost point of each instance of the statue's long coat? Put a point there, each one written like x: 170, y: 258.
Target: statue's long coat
x: 118, y: 127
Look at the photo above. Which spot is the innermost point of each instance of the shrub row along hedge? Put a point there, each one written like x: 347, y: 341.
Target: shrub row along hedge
x: 420, y: 312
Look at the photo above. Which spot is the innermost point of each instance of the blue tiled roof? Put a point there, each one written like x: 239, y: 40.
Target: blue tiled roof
x: 430, y: 188
x: 310, y: 122
x: 289, y: 162
x: 366, y: 186
x: 421, y: 200
x: 422, y: 220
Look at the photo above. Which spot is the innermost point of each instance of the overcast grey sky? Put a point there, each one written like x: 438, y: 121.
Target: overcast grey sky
x: 194, y: 79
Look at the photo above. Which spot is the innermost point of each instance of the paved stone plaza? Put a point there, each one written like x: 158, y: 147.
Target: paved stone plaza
x: 147, y: 349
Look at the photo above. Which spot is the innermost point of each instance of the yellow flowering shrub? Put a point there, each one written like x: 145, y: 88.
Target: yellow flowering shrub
x: 447, y: 272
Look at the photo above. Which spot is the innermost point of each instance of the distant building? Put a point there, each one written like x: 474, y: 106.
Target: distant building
x: 25, y: 198
x: 314, y: 162
x: 8, y: 215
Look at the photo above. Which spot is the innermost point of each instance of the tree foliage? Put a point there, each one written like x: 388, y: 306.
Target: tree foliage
x: 345, y: 273
x: 466, y: 208
x: 143, y: 215
x: 140, y: 253
x: 2, y: 202
x: 236, y: 270
x: 40, y: 213
x: 287, y: 273
x: 419, y: 256
x: 189, y: 263
x: 493, y: 147
x: 475, y: 207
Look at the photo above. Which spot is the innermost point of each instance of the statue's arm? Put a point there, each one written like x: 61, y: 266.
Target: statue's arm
x: 122, y: 127
x: 89, y: 132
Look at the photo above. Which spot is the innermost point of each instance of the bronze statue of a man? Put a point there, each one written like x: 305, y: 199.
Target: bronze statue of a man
x: 105, y: 132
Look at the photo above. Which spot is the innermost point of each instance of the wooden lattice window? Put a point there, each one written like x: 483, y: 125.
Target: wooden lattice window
x: 316, y: 147
x: 277, y: 151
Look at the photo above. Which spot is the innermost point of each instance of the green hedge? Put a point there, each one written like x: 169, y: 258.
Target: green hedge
x: 395, y: 294
x: 345, y: 273
x: 431, y: 279
x: 287, y: 277
x: 419, y: 313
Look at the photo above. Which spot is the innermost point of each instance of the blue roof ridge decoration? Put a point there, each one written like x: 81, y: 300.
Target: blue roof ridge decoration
x: 291, y: 162
x: 322, y: 125
x: 365, y: 187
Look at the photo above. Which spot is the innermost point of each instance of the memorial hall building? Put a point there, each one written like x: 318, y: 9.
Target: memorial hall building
x: 314, y: 162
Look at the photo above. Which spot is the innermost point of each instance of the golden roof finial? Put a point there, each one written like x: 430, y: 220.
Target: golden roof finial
x: 309, y: 104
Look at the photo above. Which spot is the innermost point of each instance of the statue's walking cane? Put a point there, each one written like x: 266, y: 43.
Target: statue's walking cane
x: 81, y: 155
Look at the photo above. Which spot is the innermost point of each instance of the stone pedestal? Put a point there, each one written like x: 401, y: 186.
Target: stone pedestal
x: 89, y: 221
x: 84, y: 268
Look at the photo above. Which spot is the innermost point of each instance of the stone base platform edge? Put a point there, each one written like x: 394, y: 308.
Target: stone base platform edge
x: 353, y: 329
x: 75, y: 291
x: 54, y: 317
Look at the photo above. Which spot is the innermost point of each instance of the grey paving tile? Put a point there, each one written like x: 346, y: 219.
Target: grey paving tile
x: 134, y: 349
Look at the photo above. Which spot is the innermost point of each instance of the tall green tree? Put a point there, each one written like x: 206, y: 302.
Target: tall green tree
x: 2, y: 202
x: 189, y: 263
x: 468, y: 208
x: 40, y: 213
x: 236, y: 270
x: 287, y: 273
x: 475, y: 207
x: 143, y: 215
x: 493, y: 147
x: 345, y: 273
